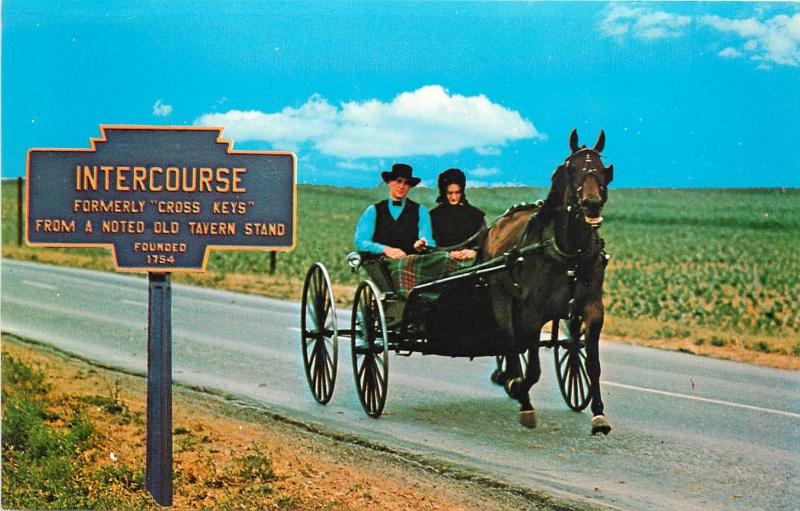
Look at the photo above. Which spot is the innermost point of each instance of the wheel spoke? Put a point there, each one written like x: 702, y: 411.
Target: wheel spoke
x: 311, y: 316
x: 329, y: 364
x: 314, y: 351
x: 567, y: 380
x: 378, y: 386
x: 361, y: 368
x: 324, y: 379
x: 582, y: 387
x: 319, y: 282
x: 327, y: 371
x: 318, y: 384
x: 576, y: 387
x: 368, y: 373
x: 319, y: 305
x: 314, y: 293
x: 569, y: 384
x: 563, y: 358
x: 585, y: 376
x: 370, y: 386
x: 325, y: 305
x: 377, y: 367
x: 316, y: 363
x: 568, y: 387
x: 379, y: 375
x: 371, y: 391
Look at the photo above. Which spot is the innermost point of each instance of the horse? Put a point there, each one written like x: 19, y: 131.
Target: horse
x: 560, y: 274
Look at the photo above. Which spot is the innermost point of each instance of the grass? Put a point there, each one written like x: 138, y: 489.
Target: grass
x: 54, y: 454
x: 686, y: 264
x: 44, y: 447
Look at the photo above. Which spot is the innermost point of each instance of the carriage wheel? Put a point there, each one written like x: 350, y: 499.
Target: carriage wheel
x: 570, y: 357
x: 318, y: 332
x: 370, y: 349
x: 501, y: 374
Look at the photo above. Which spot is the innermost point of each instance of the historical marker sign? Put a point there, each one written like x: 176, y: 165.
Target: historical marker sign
x: 161, y: 197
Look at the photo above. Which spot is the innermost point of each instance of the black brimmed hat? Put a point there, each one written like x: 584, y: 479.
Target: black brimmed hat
x: 401, y: 170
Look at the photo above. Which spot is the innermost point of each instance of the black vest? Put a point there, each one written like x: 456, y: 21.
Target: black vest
x: 400, y: 233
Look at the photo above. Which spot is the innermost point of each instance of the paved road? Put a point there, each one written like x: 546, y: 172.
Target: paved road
x: 689, y: 432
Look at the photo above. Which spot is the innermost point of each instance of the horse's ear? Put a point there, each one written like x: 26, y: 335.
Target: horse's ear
x: 601, y: 142
x: 573, y: 140
x: 609, y: 173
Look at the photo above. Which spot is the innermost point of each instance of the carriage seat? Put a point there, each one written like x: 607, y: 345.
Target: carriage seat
x: 402, y: 275
x: 375, y: 266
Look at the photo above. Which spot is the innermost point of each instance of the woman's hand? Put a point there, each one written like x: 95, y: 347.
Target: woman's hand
x: 463, y: 254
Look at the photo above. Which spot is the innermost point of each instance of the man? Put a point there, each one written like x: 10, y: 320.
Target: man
x: 397, y: 226
x: 454, y: 219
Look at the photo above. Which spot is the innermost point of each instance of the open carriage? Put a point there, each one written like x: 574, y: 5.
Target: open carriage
x: 542, y: 263
x: 449, y: 316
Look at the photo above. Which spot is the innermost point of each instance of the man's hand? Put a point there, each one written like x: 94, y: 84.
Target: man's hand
x: 463, y: 254
x: 420, y: 245
x: 393, y: 253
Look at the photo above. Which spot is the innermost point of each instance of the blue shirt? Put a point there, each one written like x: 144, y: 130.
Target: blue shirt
x: 365, y: 228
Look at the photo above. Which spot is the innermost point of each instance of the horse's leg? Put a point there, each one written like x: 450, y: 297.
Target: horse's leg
x: 503, y: 307
x: 594, y: 324
x: 513, y: 367
x: 519, y: 388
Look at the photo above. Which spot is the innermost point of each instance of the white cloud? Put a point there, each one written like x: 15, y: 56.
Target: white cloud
x: 484, y: 172
x: 642, y: 23
x: 657, y: 25
x: 774, y: 41
x: 427, y: 121
x: 489, y: 184
x: 354, y: 165
x: 730, y: 52
x: 160, y: 109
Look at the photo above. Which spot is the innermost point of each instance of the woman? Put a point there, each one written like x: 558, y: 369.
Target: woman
x: 454, y: 220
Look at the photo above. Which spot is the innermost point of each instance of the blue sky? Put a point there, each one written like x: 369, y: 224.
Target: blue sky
x: 689, y: 94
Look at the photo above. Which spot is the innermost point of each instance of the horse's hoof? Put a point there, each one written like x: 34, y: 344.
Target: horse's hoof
x: 498, y: 377
x: 528, y: 418
x: 512, y: 387
x: 600, y: 425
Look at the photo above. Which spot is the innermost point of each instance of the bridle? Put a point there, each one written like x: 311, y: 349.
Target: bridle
x: 573, y: 203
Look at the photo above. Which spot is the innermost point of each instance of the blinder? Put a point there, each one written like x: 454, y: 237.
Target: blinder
x: 574, y: 201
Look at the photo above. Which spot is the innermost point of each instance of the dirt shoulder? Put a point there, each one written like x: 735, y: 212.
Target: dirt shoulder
x: 222, y: 449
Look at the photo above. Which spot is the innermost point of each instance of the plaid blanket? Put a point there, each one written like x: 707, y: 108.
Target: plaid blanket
x: 418, y: 269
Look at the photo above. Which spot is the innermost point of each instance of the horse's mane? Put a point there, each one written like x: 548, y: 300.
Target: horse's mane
x: 547, y: 208
x: 538, y: 214
x: 556, y: 193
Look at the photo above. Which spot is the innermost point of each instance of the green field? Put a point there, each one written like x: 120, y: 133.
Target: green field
x: 714, y: 266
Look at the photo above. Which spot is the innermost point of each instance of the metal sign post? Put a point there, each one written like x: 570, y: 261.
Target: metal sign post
x: 161, y: 197
x: 20, y: 209
x: 158, y: 478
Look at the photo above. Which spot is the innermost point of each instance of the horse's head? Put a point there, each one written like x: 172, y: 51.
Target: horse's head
x: 584, y: 180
